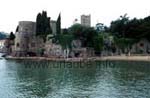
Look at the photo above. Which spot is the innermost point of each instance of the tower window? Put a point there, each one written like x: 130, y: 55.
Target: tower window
x: 17, y: 45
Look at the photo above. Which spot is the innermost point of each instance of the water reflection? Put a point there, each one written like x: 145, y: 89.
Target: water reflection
x: 122, y: 80
x: 55, y: 81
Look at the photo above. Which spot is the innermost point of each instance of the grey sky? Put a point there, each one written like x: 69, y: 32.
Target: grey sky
x: 103, y: 11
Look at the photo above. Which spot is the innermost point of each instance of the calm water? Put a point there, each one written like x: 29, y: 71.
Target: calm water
x: 115, y: 80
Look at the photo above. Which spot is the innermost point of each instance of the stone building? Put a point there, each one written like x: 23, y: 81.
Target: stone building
x: 141, y: 47
x: 79, y: 51
x: 26, y: 42
x: 86, y: 20
x: 52, y: 49
x: 53, y: 27
x: 2, y: 41
x: 7, y: 46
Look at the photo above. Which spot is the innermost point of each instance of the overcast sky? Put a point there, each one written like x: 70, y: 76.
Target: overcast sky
x: 103, y: 11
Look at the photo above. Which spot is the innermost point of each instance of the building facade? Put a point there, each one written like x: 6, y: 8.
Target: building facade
x: 2, y: 41
x: 141, y: 47
x: 100, y: 27
x: 5, y: 46
x: 26, y: 40
x: 86, y: 20
x: 53, y: 27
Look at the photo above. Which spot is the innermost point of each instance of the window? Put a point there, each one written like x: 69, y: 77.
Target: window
x: 17, y: 45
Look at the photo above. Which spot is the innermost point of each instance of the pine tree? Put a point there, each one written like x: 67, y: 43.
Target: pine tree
x: 58, y: 25
x: 43, y: 27
x: 38, y: 24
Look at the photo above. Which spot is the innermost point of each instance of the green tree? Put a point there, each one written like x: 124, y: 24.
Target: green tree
x: 58, y: 25
x: 38, y: 24
x: 133, y: 28
x: 65, y: 31
x: 12, y: 36
x: 88, y: 35
x: 98, y: 44
x: 118, y: 26
x: 85, y: 34
x: 43, y: 27
x: 124, y: 43
x: 76, y: 30
x: 65, y: 40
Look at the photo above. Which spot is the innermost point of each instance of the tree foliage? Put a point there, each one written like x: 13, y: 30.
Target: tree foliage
x: 124, y: 43
x: 43, y: 27
x: 58, y: 25
x: 85, y: 34
x: 65, y: 40
x: 98, y: 43
x: 76, y: 30
x: 12, y: 36
x: 133, y: 28
x: 117, y: 27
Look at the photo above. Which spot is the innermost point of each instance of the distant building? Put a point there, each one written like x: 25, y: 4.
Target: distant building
x: 100, y: 27
x: 86, y: 20
x: 8, y: 46
x: 53, y: 27
x: 2, y: 41
x: 4, y: 45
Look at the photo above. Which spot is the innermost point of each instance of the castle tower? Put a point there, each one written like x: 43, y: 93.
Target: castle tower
x: 24, y: 35
x: 86, y: 20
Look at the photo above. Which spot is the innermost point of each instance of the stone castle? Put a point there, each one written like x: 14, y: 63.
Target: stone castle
x: 26, y: 42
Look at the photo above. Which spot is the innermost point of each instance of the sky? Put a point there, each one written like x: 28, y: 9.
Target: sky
x: 103, y: 11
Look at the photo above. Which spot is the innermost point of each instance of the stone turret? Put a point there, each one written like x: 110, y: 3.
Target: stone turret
x: 24, y: 37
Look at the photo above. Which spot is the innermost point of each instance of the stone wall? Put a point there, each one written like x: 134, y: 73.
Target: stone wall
x: 53, y: 50
x: 26, y: 40
x: 142, y: 47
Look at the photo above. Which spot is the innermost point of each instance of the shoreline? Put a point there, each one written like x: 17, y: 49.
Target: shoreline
x: 103, y: 58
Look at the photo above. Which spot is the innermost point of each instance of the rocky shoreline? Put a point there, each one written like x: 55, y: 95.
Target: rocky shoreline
x: 111, y: 58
